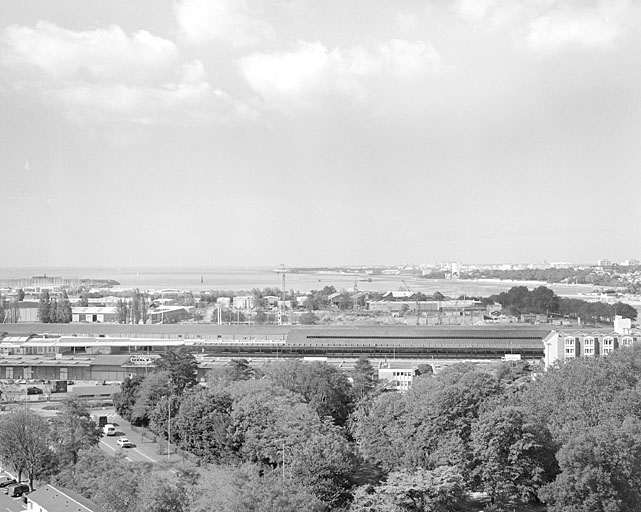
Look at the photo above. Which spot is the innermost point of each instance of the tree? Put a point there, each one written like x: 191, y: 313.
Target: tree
x: 63, y: 312
x: 202, y: 423
x: 323, y: 464
x: 425, y: 369
x: 73, y: 430
x: 600, y: 470
x: 543, y: 300
x: 251, y: 488
x: 308, y: 318
x: 112, y: 482
x: 378, y: 430
x: 44, y: 307
x: 24, y: 443
x: 512, y: 458
x: 125, y: 399
x: 84, y: 300
x: 122, y: 311
x: 438, y: 296
x: 585, y: 392
x: 325, y: 387
x: 239, y: 369
x: 158, y: 494
x: 266, y: 418
x: 53, y: 310
x: 363, y: 378
x: 625, y: 310
x: 181, y: 368
x: 152, y: 389
x: 420, y: 490
x: 440, y: 415
x: 235, y: 370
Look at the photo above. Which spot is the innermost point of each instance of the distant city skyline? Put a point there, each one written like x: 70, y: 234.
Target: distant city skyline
x: 224, y: 133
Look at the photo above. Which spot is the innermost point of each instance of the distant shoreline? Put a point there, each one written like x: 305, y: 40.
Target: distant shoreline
x: 246, y: 279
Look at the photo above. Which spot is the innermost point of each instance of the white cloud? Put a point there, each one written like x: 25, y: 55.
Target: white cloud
x: 104, y: 74
x: 312, y: 72
x: 92, y: 55
x: 239, y: 23
x: 566, y: 27
x: 405, y: 59
x: 552, y: 24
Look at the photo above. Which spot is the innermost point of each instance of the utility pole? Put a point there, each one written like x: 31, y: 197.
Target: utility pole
x: 418, y: 305
x: 168, y: 427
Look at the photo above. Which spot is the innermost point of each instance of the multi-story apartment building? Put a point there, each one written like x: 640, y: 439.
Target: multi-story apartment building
x: 570, y: 343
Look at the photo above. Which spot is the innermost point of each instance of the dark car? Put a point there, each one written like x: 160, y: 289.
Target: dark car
x: 33, y: 390
x: 6, y: 481
x: 18, y: 490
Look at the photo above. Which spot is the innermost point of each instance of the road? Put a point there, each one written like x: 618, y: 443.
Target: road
x: 143, y: 450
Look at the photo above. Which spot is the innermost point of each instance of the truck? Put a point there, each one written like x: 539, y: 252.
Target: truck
x: 101, y: 421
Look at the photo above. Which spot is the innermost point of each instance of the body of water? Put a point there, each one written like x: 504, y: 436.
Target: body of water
x: 237, y: 279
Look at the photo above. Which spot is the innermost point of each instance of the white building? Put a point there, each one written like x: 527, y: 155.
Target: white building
x: 94, y: 314
x: 48, y: 498
x: 564, y: 344
x: 243, y: 302
x: 399, y: 375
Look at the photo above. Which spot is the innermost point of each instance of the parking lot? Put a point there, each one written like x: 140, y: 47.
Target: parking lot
x: 25, y: 389
x: 8, y: 503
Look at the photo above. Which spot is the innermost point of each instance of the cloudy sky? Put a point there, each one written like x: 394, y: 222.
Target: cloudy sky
x: 307, y: 132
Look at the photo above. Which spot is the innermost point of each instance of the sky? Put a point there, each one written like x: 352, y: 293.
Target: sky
x: 319, y: 133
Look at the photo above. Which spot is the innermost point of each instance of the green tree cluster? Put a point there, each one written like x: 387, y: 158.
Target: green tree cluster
x: 571, y: 437
x: 288, y: 418
x: 542, y: 300
x: 53, y: 309
x: 30, y: 446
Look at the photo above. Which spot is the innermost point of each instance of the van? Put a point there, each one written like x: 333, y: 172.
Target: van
x: 18, y: 490
x: 109, y: 430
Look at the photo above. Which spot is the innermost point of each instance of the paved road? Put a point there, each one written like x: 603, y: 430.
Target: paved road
x: 144, y: 450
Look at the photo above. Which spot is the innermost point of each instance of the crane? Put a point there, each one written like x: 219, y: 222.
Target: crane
x: 281, y: 311
x: 418, y: 305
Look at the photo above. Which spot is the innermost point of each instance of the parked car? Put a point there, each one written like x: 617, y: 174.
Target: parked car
x: 18, y: 490
x: 6, y: 481
x: 33, y: 390
x: 123, y: 442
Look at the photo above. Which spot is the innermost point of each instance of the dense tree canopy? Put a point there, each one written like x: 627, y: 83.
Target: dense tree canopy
x: 324, y: 387
x: 181, y: 368
x: 72, y: 430
x: 542, y: 300
x: 294, y: 435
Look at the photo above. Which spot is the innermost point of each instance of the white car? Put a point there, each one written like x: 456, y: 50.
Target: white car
x: 123, y: 442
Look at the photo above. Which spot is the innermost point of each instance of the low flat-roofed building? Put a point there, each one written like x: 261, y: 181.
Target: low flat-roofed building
x: 54, y: 499
x: 170, y: 314
x: 94, y: 314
